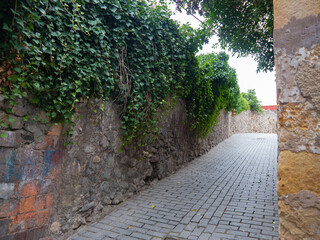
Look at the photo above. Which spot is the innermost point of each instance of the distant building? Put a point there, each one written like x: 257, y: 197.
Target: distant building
x: 270, y: 107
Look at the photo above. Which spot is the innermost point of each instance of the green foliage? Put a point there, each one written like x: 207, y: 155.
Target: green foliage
x: 128, y: 51
x: 242, y: 105
x: 3, y: 135
x: 254, y: 103
x: 215, y: 89
x: 245, y: 27
x: 70, y: 50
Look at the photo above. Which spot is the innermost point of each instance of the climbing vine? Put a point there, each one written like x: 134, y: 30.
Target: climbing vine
x: 215, y: 89
x: 58, y: 52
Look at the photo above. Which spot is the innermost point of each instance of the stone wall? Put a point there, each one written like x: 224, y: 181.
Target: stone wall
x: 48, y: 188
x: 30, y: 160
x: 254, y: 122
x: 297, y: 52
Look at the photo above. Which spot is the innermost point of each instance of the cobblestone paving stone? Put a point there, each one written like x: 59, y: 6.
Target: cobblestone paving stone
x: 229, y: 193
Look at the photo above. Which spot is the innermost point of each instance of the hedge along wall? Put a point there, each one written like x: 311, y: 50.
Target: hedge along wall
x: 48, y: 188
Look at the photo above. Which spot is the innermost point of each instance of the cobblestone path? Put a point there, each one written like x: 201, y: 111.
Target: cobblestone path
x: 229, y: 193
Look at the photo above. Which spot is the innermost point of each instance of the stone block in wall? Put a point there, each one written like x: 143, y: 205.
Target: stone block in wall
x: 11, y: 121
x: 12, y: 139
x: 4, y: 227
x: 37, y: 130
x: 286, y: 9
x: 46, y: 143
x: 43, y: 217
x: 297, y: 31
x: 299, y: 216
x: 29, y: 220
x: 7, y: 155
x: 46, y: 186
x: 29, y: 188
x: 299, y: 128
x: 36, y: 233
x: 297, y: 172
x: 308, y: 79
x: 28, y: 204
x: 9, y: 208
x: 23, y: 221
x: 21, y: 108
x: 55, y: 130
x: 7, y: 190
x: 10, y: 169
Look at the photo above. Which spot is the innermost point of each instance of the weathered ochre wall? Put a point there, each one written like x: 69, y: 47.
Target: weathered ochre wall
x: 297, y: 52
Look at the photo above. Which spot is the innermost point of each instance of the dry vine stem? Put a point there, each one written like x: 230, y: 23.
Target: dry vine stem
x: 124, y: 76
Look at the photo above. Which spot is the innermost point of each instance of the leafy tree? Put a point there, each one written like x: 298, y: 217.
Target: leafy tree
x: 254, y: 103
x: 245, y: 27
x: 242, y: 105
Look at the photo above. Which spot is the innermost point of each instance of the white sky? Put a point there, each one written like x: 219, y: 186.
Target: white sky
x: 248, y: 78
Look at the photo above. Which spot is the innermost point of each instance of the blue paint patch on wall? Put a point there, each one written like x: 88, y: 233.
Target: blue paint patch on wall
x: 33, y: 165
x: 12, y: 172
x: 47, y: 161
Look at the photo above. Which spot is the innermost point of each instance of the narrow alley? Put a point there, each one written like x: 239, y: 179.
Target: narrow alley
x: 229, y: 193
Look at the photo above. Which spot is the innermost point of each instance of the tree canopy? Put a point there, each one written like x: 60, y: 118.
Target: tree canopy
x: 242, y: 105
x: 251, y: 97
x: 244, y: 27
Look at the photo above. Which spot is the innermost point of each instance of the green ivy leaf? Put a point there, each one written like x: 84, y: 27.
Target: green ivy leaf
x: 113, y: 9
x: 6, y: 27
x: 26, y: 118
x: 4, y: 135
x: 8, y: 110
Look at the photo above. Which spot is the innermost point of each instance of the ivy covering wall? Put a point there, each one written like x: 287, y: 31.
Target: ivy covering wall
x: 58, y: 52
